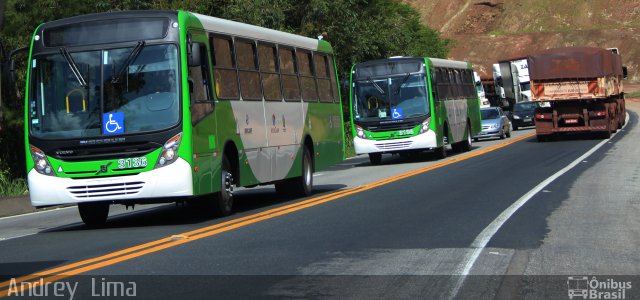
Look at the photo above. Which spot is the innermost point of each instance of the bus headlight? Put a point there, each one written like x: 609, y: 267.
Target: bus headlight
x: 425, y: 125
x: 42, y: 165
x: 360, y: 132
x: 169, y: 151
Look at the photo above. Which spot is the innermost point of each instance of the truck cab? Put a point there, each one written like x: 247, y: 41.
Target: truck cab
x: 484, y: 102
x: 521, y: 73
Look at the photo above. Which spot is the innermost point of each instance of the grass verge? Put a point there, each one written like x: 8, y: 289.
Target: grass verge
x: 632, y: 95
x: 11, y: 187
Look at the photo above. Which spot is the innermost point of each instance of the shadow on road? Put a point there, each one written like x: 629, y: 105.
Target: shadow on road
x: 409, y: 158
x: 246, y: 202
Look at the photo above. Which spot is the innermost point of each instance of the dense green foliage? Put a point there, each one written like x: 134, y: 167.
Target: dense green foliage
x: 359, y: 30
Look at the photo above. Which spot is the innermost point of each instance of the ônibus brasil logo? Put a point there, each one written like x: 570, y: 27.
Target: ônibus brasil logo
x: 583, y: 287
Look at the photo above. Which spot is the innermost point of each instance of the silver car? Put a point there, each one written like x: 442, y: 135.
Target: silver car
x: 494, y: 124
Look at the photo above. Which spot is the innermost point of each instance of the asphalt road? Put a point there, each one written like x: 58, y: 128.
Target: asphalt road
x: 489, y: 224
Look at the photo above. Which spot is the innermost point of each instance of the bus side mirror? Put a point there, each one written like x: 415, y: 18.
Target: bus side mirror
x: 11, y: 70
x: 195, y: 58
x: 12, y: 73
x: 624, y: 73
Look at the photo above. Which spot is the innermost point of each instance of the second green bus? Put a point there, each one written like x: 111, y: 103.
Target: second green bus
x: 407, y: 104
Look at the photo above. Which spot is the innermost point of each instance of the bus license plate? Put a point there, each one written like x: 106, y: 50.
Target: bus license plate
x: 571, y: 121
x: 132, y: 163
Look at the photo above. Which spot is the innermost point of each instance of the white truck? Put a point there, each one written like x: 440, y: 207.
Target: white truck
x: 512, y: 81
x: 499, y: 90
x: 484, y: 102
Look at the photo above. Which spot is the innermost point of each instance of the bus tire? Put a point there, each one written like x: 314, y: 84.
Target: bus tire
x: 300, y: 186
x: 94, y: 214
x: 222, y: 201
x: 441, y: 152
x: 375, y: 158
x: 465, y: 145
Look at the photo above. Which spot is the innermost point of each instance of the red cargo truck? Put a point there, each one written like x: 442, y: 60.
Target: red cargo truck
x: 580, y: 89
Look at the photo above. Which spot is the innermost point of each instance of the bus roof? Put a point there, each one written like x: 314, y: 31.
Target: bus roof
x: 218, y: 25
x: 210, y: 24
x: 109, y: 15
x: 445, y: 63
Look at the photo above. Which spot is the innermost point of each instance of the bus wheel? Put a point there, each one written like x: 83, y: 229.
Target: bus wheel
x: 375, y: 158
x: 223, y: 200
x: 465, y: 145
x: 301, y: 186
x: 94, y: 214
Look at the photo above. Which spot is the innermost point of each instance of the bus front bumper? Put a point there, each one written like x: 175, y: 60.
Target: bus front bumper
x: 174, y: 180
x: 425, y: 141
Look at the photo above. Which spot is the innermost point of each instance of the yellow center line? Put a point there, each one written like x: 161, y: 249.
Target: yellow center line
x: 168, y: 242
x: 164, y: 240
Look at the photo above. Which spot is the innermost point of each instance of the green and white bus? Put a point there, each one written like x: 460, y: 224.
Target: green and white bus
x: 171, y: 106
x: 407, y: 104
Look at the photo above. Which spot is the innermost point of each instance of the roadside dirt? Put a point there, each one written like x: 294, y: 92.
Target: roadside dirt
x: 485, y: 32
x: 632, y: 103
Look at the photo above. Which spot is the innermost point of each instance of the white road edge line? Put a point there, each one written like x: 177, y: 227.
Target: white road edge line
x: 2, y: 239
x: 485, y: 236
x: 37, y: 212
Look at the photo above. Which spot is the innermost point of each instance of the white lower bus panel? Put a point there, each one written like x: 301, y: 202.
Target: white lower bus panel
x: 425, y: 141
x: 174, y: 180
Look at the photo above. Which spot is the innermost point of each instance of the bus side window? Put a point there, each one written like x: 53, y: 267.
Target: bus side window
x: 324, y: 83
x: 305, y: 68
x: 224, y: 64
x: 453, y: 91
x: 200, y: 86
x: 450, y: 84
x: 269, y: 72
x: 290, y: 84
x: 248, y: 70
x: 471, y: 85
x: 334, y: 82
x: 459, y: 88
x: 441, y: 84
x: 199, y: 77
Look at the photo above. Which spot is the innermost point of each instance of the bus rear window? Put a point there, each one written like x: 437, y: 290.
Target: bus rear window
x: 106, y: 31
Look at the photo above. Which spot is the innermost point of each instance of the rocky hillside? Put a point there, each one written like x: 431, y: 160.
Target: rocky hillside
x: 487, y: 31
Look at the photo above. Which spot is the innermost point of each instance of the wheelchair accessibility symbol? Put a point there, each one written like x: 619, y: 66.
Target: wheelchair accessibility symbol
x: 396, y: 113
x: 113, y: 123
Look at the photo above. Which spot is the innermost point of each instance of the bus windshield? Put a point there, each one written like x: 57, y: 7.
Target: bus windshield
x: 391, y: 98
x: 73, y: 94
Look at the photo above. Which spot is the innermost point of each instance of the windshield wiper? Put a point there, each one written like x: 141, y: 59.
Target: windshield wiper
x: 417, y: 115
x: 401, y: 83
x: 380, y: 90
x: 73, y: 67
x: 130, y: 59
